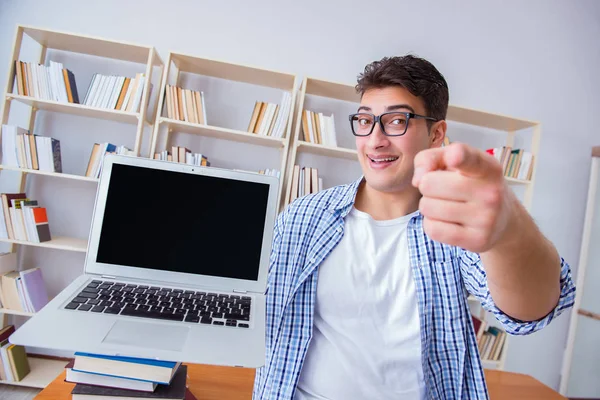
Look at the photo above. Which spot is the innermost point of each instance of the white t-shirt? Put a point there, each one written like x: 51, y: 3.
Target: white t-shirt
x: 366, y: 340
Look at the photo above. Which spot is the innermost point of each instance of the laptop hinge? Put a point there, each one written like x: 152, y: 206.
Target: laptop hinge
x: 240, y: 291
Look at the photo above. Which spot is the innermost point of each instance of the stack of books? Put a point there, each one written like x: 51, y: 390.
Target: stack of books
x: 24, y: 150
x: 318, y: 128
x: 305, y: 181
x: 111, y: 377
x: 24, y: 219
x: 14, y: 365
x: 185, y: 105
x: 116, y: 92
x: 270, y: 171
x: 490, y: 339
x: 21, y: 291
x: 52, y: 82
x: 180, y: 154
x: 99, y: 150
x: 516, y: 163
x: 271, y: 119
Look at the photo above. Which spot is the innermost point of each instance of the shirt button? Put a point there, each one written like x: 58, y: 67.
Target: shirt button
x: 312, y: 260
x: 339, y: 229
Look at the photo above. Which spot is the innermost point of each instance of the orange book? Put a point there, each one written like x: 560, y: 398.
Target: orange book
x: 305, y: 127
x: 18, y: 73
x: 198, y: 98
x: 261, y: 115
x: 180, y: 100
x: 25, y: 79
x: 123, y: 93
x: 254, y: 117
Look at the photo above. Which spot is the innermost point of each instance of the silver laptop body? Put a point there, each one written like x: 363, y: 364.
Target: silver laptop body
x: 176, y: 267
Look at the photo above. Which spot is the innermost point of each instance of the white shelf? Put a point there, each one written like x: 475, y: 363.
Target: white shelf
x: 16, y: 312
x: 77, y: 109
x: 43, y: 372
x: 59, y: 243
x: 517, y: 181
x: 47, y: 173
x: 320, y: 150
x: 222, y: 133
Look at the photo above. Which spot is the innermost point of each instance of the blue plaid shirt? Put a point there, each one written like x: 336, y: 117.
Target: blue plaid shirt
x: 308, y: 230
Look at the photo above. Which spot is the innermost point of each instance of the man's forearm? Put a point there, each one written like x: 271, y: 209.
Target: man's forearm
x: 523, y: 270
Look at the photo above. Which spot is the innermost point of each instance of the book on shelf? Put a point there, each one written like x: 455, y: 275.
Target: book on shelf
x: 318, y: 128
x: 116, y: 92
x: 22, y: 149
x: 23, y: 219
x: 185, y: 105
x: 52, y: 82
x: 159, y: 372
x: 516, y: 163
x: 23, y: 290
x: 490, y: 342
x: 181, y: 154
x: 270, y: 119
x: 305, y: 181
x: 99, y: 150
x: 14, y: 365
x: 176, y: 390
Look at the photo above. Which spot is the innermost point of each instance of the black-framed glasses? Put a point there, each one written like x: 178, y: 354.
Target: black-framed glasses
x: 393, y: 123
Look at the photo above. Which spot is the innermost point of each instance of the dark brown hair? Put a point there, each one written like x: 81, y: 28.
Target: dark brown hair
x: 412, y: 73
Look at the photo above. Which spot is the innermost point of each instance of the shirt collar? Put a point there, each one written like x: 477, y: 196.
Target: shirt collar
x: 346, y: 197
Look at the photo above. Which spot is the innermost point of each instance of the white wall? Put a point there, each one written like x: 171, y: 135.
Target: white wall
x: 536, y: 59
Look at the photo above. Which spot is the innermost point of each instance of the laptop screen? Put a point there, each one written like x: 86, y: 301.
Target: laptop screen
x: 182, y: 222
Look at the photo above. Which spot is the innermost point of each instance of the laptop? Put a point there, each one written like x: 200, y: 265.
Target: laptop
x: 175, y: 269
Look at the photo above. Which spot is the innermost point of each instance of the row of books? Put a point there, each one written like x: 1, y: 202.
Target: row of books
x: 318, y: 128
x: 115, y: 92
x: 516, y: 163
x: 23, y: 290
x: 184, y: 155
x: 25, y: 150
x: 490, y: 339
x: 14, y: 365
x: 270, y: 171
x: 305, y: 180
x: 52, y: 82
x: 99, y: 150
x: 106, y: 377
x: 185, y: 105
x: 270, y: 119
x: 23, y: 219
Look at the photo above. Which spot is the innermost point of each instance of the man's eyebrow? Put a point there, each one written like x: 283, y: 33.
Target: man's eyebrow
x: 394, y: 107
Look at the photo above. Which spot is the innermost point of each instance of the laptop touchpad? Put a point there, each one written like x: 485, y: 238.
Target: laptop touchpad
x: 148, y: 335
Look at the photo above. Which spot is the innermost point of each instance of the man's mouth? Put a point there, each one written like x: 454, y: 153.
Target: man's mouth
x: 381, y: 160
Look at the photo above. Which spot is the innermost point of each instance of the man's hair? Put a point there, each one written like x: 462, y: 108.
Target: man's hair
x: 414, y: 74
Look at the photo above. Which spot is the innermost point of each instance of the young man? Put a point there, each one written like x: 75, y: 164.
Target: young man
x: 368, y: 283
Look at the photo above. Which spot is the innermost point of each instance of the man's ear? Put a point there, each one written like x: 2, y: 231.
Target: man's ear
x: 437, y: 134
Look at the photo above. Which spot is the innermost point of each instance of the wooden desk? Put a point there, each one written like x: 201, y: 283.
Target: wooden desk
x: 223, y: 383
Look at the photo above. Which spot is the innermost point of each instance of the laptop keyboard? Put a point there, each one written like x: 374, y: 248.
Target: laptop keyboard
x: 163, y: 303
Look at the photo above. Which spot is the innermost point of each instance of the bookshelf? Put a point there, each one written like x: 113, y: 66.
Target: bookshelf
x: 178, y: 64
x: 506, y: 127
x: 144, y: 59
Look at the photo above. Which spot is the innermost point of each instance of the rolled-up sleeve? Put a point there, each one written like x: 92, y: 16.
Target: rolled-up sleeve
x: 475, y: 280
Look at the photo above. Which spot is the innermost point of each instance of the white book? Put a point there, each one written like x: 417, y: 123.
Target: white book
x: 42, y: 158
x: 102, y: 93
x: 27, y: 147
x: 30, y: 224
x: 127, y: 95
x: 205, y: 121
x: 323, y: 129
x: 263, y: 123
x: 47, y: 82
x: 285, y: 116
x: 138, y: 95
x: 34, y: 80
x: 53, y: 82
x: 97, y: 95
x: 320, y: 184
x: 107, y: 95
x: 90, y: 88
x: 108, y: 381
x: 526, y: 160
x: 62, y: 87
x: 116, y: 92
x: 332, y: 134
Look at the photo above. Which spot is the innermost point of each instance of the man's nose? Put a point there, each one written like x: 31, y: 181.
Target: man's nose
x: 378, y: 138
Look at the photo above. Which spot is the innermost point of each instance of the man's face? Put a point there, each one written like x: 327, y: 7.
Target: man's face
x: 387, y: 162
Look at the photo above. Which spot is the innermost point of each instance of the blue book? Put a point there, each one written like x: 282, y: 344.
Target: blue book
x: 143, y: 369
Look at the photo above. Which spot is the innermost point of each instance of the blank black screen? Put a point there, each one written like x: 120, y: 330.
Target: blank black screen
x: 182, y: 222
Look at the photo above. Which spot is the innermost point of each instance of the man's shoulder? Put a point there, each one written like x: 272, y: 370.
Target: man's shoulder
x: 321, y: 201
